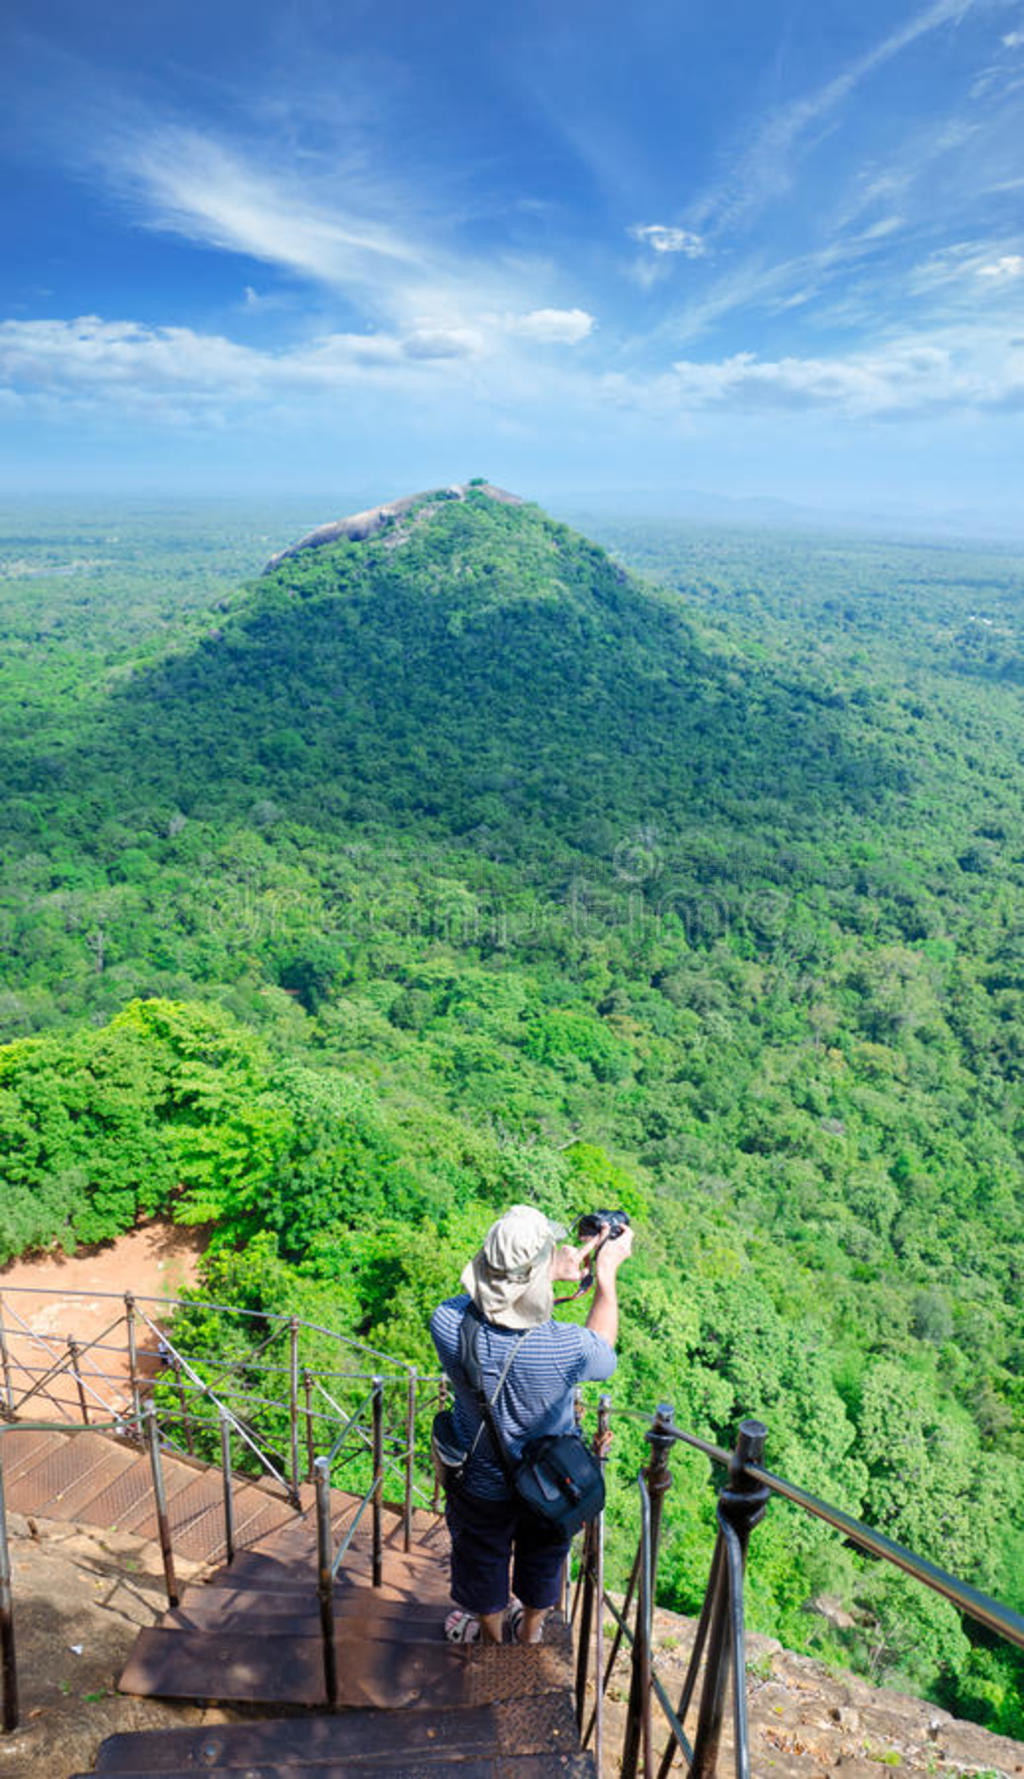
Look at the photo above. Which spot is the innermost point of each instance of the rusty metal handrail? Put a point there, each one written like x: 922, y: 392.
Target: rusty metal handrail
x: 719, y: 1641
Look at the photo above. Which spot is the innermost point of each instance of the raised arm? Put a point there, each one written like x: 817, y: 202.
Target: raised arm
x: 604, y: 1311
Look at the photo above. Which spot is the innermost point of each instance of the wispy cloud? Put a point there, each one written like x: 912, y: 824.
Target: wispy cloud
x: 664, y: 239
x: 965, y: 273
x: 186, y: 181
x: 376, y: 250
x: 763, y: 169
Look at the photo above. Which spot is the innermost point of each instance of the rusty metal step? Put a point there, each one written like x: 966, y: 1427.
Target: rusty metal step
x: 179, y: 1482
x: 382, y: 1673
x: 195, y: 1513
x: 541, y: 1724
x: 259, y: 1514
x: 298, y: 1535
x: 363, y: 1606
x: 528, y: 1766
x: 75, y: 1472
x: 400, y: 1627
x: 257, y: 1568
x: 121, y: 1498
x: 21, y: 1453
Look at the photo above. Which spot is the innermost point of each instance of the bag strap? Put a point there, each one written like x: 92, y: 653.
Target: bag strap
x: 469, y: 1336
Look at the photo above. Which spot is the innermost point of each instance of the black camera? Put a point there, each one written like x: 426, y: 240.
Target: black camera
x: 606, y: 1224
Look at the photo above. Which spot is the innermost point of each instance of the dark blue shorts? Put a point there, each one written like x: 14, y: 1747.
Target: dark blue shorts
x: 486, y: 1537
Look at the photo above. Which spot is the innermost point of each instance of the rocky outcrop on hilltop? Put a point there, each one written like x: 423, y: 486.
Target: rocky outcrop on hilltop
x: 358, y: 526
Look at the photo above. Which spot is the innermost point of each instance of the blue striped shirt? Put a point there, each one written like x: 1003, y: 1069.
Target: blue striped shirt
x: 536, y: 1397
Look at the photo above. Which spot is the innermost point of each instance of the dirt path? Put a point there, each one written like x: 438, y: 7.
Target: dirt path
x: 40, y: 1313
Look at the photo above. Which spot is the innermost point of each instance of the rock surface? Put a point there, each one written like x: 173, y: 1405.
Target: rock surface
x: 358, y: 526
x: 807, y: 1721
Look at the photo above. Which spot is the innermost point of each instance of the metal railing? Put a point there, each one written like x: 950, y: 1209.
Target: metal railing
x: 185, y: 1378
x: 718, y: 1654
x: 284, y: 1384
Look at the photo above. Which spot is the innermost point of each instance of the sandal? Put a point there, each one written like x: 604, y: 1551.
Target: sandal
x: 462, y: 1627
x: 513, y: 1622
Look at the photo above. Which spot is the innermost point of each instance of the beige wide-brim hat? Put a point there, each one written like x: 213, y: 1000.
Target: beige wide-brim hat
x: 509, y: 1279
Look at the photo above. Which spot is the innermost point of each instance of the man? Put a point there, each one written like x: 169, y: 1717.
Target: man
x: 511, y: 1282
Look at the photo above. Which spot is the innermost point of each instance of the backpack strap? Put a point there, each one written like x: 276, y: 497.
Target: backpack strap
x: 469, y: 1335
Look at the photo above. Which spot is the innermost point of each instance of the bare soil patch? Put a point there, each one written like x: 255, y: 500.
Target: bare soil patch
x: 51, y: 1298
x: 80, y: 1596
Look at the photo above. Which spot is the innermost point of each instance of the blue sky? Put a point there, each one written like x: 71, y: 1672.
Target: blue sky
x: 749, y: 247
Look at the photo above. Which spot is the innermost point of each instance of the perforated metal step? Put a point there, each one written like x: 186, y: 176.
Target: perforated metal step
x: 540, y: 1724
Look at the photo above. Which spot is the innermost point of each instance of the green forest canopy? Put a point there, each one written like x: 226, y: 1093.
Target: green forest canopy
x: 459, y: 866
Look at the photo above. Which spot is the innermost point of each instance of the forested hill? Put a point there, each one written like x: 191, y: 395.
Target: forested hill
x: 474, y: 665
x: 452, y: 864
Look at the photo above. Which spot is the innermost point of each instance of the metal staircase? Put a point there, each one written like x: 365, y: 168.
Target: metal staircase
x: 327, y: 1605
x: 406, y: 1700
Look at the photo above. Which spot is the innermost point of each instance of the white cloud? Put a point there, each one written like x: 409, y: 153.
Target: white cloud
x: 127, y: 369
x: 906, y: 377
x: 430, y: 299
x: 135, y: 368
x: 1009, y: 265
x: 552, y: 327
x: 1013, y: 40
x: 663, y: 239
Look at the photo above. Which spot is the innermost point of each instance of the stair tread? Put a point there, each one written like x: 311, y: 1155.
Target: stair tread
x: 543, y: 1723
x: 265, y: 1574
x: 570, y: 1765
x: 381, y: 1672
x: 400, y: 1618
x: 279, y: 1603
x: 425, y: 1628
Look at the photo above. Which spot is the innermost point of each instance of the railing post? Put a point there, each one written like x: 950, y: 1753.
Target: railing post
x: 740, y: 1506
x: 293, y: 1405
x: 5, y: 1360
x: 410, y: 1453
x: 325, y: 1576
x: 133, y: 1362
x: 229, y: 1498
x: 658, y: 1481
x: 185, y: 1416
x: 586, y: 1620
x: 568, y: 1609
x: 7, y: 1655
x: 378, y: 1476
x: 602, y: 1441
x: 442, y: 1403
x: 307, y: 1391
x: 74, y: 1352
x: 162, y: 1520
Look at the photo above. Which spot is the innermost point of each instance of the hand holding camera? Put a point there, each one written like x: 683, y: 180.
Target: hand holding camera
x: 606, y: 1240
